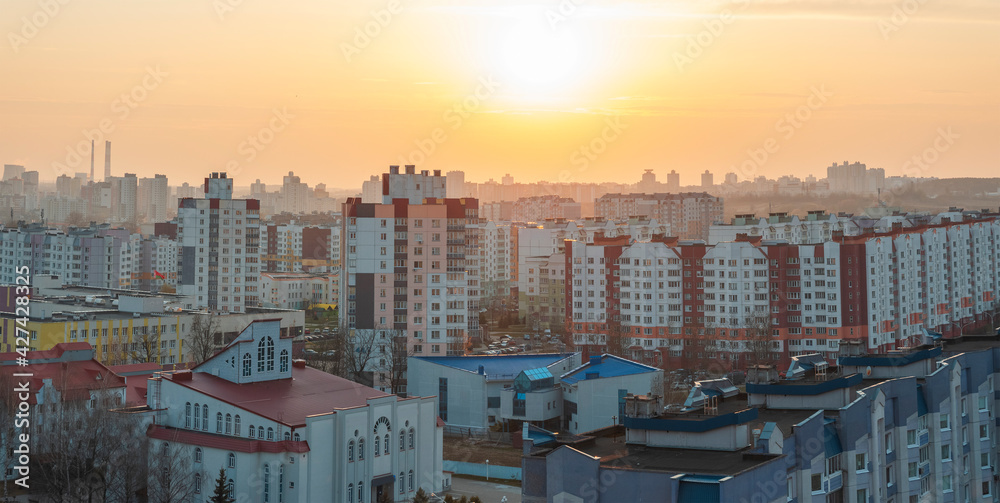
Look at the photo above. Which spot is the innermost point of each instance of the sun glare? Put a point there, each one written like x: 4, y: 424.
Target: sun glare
x: 537, y: 57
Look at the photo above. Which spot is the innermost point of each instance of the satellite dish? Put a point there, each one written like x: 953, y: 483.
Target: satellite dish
x: 868, y: 371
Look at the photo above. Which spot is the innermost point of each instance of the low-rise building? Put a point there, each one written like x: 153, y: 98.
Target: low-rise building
x: 285, y: 432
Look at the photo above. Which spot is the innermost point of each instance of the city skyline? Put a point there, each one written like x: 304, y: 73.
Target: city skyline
x: 560, y: 92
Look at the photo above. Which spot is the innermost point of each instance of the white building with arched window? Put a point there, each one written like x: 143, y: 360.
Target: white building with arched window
x: 285, y: 432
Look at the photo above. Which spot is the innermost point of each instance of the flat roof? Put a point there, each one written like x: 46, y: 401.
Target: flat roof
x: 613, y: 451
x: 498, y: 365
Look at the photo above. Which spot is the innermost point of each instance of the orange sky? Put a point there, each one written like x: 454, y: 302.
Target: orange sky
x: 572, y: 90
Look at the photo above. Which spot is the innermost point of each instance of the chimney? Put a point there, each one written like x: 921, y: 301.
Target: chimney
x: 411, y: 169
x: 107, y: 159
x: 92, y: 160
x: 393, y: 169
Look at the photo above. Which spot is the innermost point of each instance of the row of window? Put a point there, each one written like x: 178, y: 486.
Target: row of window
x: 361, y: 445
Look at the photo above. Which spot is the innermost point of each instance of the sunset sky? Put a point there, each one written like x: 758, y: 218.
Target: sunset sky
x: 494, y: 87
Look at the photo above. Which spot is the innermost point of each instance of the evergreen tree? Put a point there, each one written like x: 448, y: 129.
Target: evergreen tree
x: 421, y: 496
x: 221, y: 494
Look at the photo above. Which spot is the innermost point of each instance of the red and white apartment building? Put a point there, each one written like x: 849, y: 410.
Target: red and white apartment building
x: 685, y: 303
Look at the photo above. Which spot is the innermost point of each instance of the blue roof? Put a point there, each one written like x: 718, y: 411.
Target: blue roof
x: 506, y: 366
x: 610, y: 366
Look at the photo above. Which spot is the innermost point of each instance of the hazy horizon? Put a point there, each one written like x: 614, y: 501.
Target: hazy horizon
x: 586, y: 91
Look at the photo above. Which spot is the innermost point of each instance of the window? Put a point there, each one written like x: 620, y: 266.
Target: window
x: 281, y: 483
x: 402, y: 440
x: 265, y: 354
x: 861, y: 462
x: 218, y: 422
x: 229, y: 424
x: 945, y: 452
x: 197, y: 483
x: 187, y: 415
x: 890, y: 477
x: 911, y: 469
x: 197, y: 416
x: 253, y: 431
x: 984, y: 431
x: 817, y: 482
x: 231, y: 489
x: 236, y: 426
x: 246, y: 365
x: 377, y: 451
x: 945, y: 424
x: 411, y: 437
x: 260, y: 432
x: 986, y: 488
x: 409, y: 480
x: 862, y: 495
x: 984, y: 460
x: 401, y: 487
x: 386, y: 444
x: 232, y: 460
x: 982, y: 403
x: 946, y: 483
x: 350, y: 493
x: 267, y: 483
x: 361, y: 493
x: 350, y: 451
x: 270, y: 434
x: 361, y: 448
x: 911, y: 437
x: 284, y: 360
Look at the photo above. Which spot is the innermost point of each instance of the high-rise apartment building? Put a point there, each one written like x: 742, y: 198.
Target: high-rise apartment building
x: 295, y: 194
x: 124, y: 191
x: 219, y: 256
x: 153, y: 196
x: 455, y: 184
x: 411, y: 265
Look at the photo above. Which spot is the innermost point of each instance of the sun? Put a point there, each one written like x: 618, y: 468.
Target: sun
x: 536, y: 56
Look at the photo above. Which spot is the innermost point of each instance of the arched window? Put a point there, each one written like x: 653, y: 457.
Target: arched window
x: 284, y: 360
x: 296, y: 437
x: 260, y: 432
x: 197, y: 483
x: 246, y: 365
x: 281, y: 483
x: 270, y: 434
x: 409, y: 480
x: 218, y: 422
x: 187, y: 415
x: 197, y: 416
x: 402, y: 440
x: 350, y: 493
x: 236, y: 426
x: 267, y: 483
x: 197, y: 454
x: 165, y: 449
x: 412, y: 435
x: 361, y: 449
x: 402, y: 487
x: 288, y: 436
x: 253, y: 431
x: 204, y: 417
x: 361, y: 492
x: 265, y: 354
x: 229, y: 424
x: 232, y: 460
x: 350, y: 451
x: 376, y: 445
x: 231, y: 489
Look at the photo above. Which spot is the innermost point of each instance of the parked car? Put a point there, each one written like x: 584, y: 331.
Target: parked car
x: 527, y: 337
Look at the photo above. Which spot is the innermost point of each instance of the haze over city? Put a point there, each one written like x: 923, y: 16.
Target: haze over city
x: 559, y: 91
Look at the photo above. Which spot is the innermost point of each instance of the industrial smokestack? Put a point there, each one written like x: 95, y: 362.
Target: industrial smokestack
x: 92, y: 160
x: 107, y: 160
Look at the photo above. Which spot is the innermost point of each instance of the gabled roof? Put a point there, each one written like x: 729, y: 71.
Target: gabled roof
x: 288, y: 401
x: 609, y: 366
x: 71, y: 375
x: 499, y: 366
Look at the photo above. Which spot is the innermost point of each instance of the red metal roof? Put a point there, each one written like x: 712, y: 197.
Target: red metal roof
x: 73, y: 379
x: 54, y: 353
x: 224, y: 442
x: 287, y: 401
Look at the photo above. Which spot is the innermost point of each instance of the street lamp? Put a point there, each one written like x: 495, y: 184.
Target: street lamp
x: 487, y: 469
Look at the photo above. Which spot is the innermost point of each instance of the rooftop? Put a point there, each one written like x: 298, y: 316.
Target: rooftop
x: 498, y: 366
x: 606, y: 366
x: 288, y: 401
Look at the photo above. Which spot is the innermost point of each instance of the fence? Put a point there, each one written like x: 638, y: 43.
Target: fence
x: 480, y: 470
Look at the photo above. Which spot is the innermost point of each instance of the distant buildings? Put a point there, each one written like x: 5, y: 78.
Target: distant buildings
x: 531, y: 209
x: 154, y: 194
x: 689, y: 215
x: 297, y: 290
x: 855, y: 178
x: 293, y: 433
x: 219, y: 238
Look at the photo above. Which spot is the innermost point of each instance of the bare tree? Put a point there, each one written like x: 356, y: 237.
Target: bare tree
x: 360, y: 348
x: 171, y: 478
x: 758, y: 338
x: 145, y: 346
x: 203, y: 338
x: 619, y: 339
x: 398, y: 352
